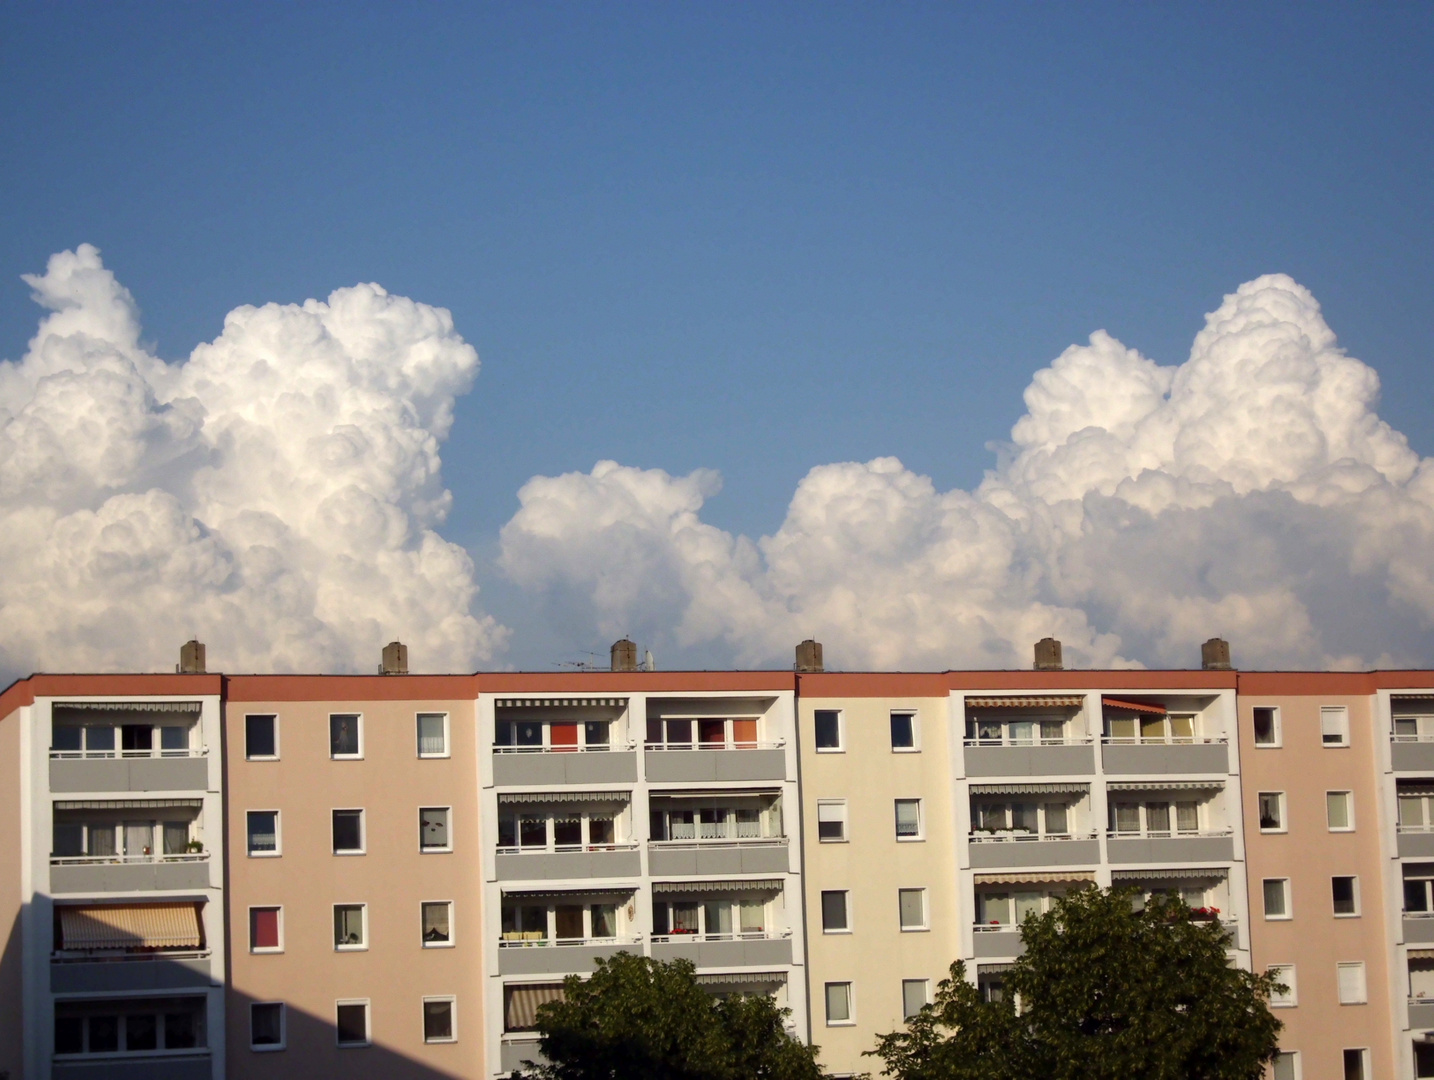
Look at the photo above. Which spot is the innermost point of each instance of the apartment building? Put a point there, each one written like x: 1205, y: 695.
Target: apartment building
x: 387, y: 875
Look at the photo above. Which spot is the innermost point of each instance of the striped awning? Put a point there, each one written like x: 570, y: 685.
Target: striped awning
x: 707, y: 796
x: 128, y: 804
x: 743, y: 978
x: 1165, y: 785
x: 1421, y: 954
x: 561, y: 703
x: 1196, y: 874
x: 1037, y: 877
x: 993, y: 969
x: 576, y: 893
x: 564, y: 797
x: 1043, y: 701
x: 759, y: 885
x: 1415, y: 787
x: 1397, y: 698
x: 130, y: 926
x: 1030, y: 789
x: 1133, y: 706
x: 132, y: 706
x: 520, y: 1005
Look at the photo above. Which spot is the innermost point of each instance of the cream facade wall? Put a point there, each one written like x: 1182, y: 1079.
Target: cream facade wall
x: 393, y: 878
x: 872, y: 865
x: 1309, y: 855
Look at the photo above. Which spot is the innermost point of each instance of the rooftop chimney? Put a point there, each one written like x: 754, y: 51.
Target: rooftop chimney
x: 1048, y: 655
x: 624, y: 655
x: 191, y: 658
x: 1215, y: 655
x: 395, y: 659
x: 809, y: 656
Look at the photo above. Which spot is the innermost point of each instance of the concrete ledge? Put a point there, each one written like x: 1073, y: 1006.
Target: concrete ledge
x: 1035, y: 853
x: 120, y: 976
x: 558, y: 959
x: 589, y: 767
x: 1163, y: 758
x: 1030, y: 760
x: 129, y: 774
x: 1418, y: 931
x: 129, y: 877
x: 998, y: 943
x: 676, y: 862
x: 570, y: 864
x: 686, y: 766
x: 1215, y: 849
x: 142, y: 1068
x: 1412, y: 756
x: 763, y: 953
x: 1416, y: 845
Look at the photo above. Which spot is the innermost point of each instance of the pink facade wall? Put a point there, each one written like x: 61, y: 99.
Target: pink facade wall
x: 12, y: 1005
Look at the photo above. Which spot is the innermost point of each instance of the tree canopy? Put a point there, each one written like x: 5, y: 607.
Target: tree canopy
x: 1104, y: 992
x: 642, y: 1019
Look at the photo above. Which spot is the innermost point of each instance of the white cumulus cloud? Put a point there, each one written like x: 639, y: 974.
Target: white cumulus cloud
x: 276, y: 494
x: 1251, y: 491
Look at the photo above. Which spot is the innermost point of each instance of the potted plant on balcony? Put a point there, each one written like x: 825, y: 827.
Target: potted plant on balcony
x: 194, y: 847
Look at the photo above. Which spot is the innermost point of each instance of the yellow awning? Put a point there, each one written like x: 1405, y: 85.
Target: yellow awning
x: 1043, y: 701
x: 130, y: 926
x: 1037, y: 877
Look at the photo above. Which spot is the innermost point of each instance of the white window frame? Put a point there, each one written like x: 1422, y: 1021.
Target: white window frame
x: 367, y: 1023
x: 329, y: 731
x: 277, y: 748
x: 1356, y: 966
x: 925, y: 994
x: 363, y: 920
x: 1348, y: 810
x: 447, y: 850
x: 452, y: 1000
x: 1279, y: 729
x: 362, y: 849
x: 846, y: 909
x: 845, y: 821
x: 1282, y: 803
x: 850, y: 1020
x: 840, y: 747
x: 278, y: 835
x: 417, y: 736
x: 269, y: 1048
x: 1341, y: 711
x: 925, y: 924
x: 1284, y: 973
x: 1358, y: 905
x: 1289, y: 900
x: 915, y: 747
x: 266, y: 950
x: 1363, y: 1052
x: 1294, y: 1055
x: 920, y: 822
x: 452, y: 926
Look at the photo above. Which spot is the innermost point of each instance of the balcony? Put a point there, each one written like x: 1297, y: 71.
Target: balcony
x: 1011, y: 848
x: 524, y: 765
x: 129, y: 770
x: 160, y: 971
x: 1195, y: 755
x: 1412, y: 753
x: 129, y: 873
x: 996, y: 940
x: 191, y: 1065
x: 1214, y: 846
x: 724, y: 950
x: 1421, y: 1013
x: 591, y: 861
x: 677, y: 763
x: 521, y: 955
x: 1418, y: 927
x: 677, y: 858
x: 1065, y: 757
x: 1415, y: 841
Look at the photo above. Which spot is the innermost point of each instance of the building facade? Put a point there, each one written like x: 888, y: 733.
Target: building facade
x: 387, y: 875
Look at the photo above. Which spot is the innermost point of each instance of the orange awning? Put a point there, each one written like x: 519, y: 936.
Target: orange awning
x: 1045, y: 701
x: 130, y: 926
x: 1133, y: 706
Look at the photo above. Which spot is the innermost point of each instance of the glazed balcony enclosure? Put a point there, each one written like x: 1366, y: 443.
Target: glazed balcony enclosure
x: 696, y: 740
x: 1162, y: 734
x: 721, y: 923
x: 716, y: 833
x: 1027, y: 735
x: 127, y: 746
x: 1415, y: 828
x: 154, y: 1036
x: 1154, y: 821
x: 1412, y: 740
x: 1032, y: 824
x: 562, y: 931
x: 1421, y: 987
x: 1004, y: 901
x: 566, y: 834
x: 128, y: 845
x: 562, y: 741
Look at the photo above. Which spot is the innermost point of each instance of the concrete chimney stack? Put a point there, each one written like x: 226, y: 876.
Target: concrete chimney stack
x: 1048, y: 655
x: 395, y: 659
x: 1215, y: 655
x: 624, y: 655
x: 191, y: 658
x: 809, y: 656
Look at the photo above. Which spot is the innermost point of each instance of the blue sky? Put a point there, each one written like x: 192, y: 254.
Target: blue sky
x: 750, y: 238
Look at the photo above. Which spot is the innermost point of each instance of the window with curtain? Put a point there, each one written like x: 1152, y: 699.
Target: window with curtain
x: 437, y: 922
x: 908, y: 819
x: 349, y: 926
x: 432, y: 735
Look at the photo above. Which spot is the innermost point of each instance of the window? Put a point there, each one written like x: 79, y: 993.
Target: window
x: 1022, y: 730
x: 1339, y: 810
x: 1285, y: 975
x: 914, y: 996
x: 903, y: 731
x: 831, y: 821
x: 351, y: 1023
x: 1130, y: 725
x: 263, y: 831
x: 128, y: 1026
x: 829, y: 733
x: 1286, y: 1066
x: 908, y: 819
x: 261, y: 738
x: 265, y: 929
x: 838, y: 1003
x: 1417, y: 893
x: 266, y: 1025
x: 1277, y: 898
x: 1416, y: 807
x: 433, y: 832
x: 1272, y: 811
x: 350, y: 926
x: 438, y: 1025
x: 348, y: 832
x: 1346, y: 896
x: 1013, y: 820
x: 911, y: 903
x: 1155, y: 818
x: 432, y: 734
x: 1350, y: 977
x: 1267, y: 726
x: 1004, y: 909
x: 437, y: 924
x: 1423, y: 1059
x: 1334, y: 725
x: 1355, y: 1064
x: 834, y: 917
x: 345, y: 735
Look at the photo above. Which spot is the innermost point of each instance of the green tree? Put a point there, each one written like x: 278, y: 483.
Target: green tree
x: 1106, y: 992
x: 642, y: 1019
